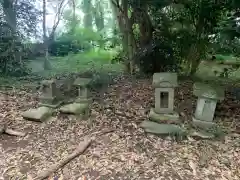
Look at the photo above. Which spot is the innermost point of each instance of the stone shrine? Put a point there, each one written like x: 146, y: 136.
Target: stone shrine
x: 84, y: 95
x: 82, y: 102
x: 164, y: 84
x: 206, y: 104
x: 49, y: 97
x: 163, y: 120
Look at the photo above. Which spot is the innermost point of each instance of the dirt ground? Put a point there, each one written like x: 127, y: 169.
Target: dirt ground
x: 125, y: 153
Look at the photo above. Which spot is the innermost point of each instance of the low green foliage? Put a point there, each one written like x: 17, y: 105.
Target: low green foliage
x: 94, y: 61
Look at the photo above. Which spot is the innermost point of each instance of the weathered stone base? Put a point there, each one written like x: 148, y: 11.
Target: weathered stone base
x: 51, y: 102
x: 40, y: 114
x: 161, y: 129
x: 203, y: 124
x: 76, y: 109
x: 164, y: 118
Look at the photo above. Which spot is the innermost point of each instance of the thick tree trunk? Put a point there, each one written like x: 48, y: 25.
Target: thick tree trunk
x: 11, y: 19
x: 125, y: 26
x: 141, y: 16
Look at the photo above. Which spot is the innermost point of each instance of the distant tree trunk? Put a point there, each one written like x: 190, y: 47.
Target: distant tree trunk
x: 87, y: 9
x: 46, y: 64
x: 99, y: 16
x: 74, y: 17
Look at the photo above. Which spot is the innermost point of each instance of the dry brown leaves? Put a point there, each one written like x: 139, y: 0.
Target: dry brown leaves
x: 127, y: 153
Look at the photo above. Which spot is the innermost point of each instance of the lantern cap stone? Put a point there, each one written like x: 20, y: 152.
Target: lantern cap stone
x: 208, y: 91
x: 51, y: 81
x: 165, y: 80
x: 82, y: 82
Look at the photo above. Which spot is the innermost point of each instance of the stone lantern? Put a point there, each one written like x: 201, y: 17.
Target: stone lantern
x: 82, y: 102
x: 164, y: 84
x: 49, y: 97
x: 84, y: 95
x: 206, y: 104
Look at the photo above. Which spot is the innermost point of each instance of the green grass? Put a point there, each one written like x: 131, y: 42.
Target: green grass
x: 220, y: 57
x: 96, y: 61
x: 206, y: 70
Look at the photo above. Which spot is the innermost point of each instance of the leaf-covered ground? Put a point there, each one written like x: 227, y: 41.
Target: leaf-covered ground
x: 126, y: 153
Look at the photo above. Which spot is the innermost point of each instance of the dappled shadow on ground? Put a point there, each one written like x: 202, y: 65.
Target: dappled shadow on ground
x: 126, y: 153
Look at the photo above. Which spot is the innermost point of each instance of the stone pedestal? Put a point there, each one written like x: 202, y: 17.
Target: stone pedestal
x: 39, y: 114
x: 169, y: 118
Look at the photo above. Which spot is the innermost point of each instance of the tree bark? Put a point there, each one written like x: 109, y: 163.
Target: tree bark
x: 87, y: 9
x: 99, y: 16
x: 46, y: 65
x: 145, y: 25
x: 125, y: 26
x: 11, y: 19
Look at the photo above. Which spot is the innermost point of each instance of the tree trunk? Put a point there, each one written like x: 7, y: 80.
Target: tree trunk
x: 141, y: 16
x: 74, y: 18
x: 11, y: 19
x: 119, y: 17
x: 87, y: 9
x: 46, y: 65
x: 130, y: 36
x: 99, y: 16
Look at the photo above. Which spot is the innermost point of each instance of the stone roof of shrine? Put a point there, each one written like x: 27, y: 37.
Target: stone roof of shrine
x: 208, y: 91
x: 165, y: 80
x: 82, y: 81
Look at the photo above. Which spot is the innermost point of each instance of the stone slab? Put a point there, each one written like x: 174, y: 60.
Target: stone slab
x: 161, y: 129
x: 203, y: 124
x: 84, y: 100
x: 51, y: 102
x: 40, y: 114
x: 164, y: 118
x: 75, y: 108
x: 202, y: 135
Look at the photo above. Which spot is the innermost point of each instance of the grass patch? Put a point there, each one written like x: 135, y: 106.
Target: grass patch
x: 220, y: 57
x: 95, y: 61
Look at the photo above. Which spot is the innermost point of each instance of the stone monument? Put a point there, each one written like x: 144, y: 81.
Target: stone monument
x: 50, y: 94
x: 82, y: 102
x: 165, y: 119
x: 164, y: 84
x: 84, y: 95
x: 206, y: 104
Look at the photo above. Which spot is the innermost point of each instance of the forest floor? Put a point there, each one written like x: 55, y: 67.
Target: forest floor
x: 125, y: 153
